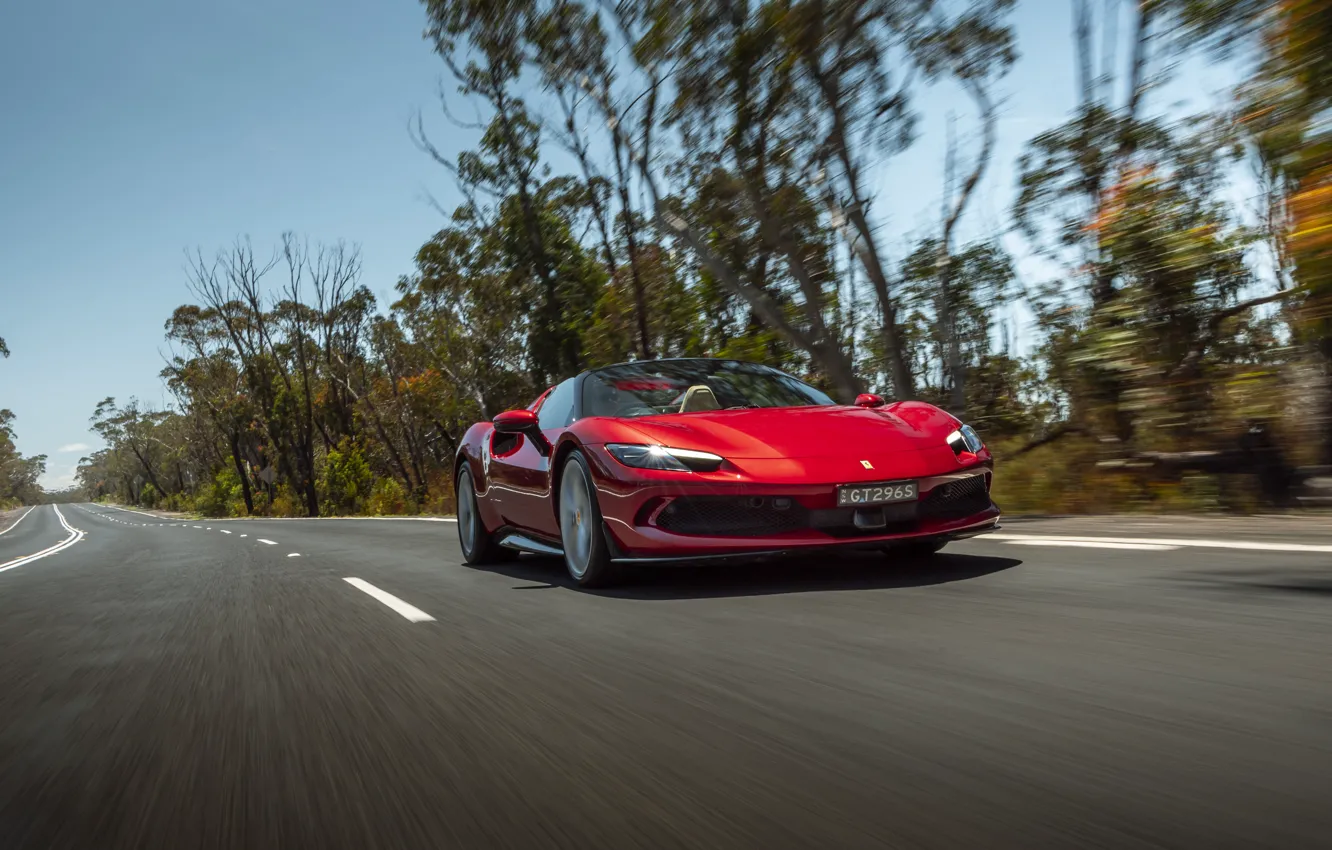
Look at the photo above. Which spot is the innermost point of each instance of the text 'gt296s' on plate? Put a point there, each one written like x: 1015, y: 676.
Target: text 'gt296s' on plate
x: 694, y: 460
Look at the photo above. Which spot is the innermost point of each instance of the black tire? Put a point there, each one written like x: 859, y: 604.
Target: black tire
x: 917, y: 548
x: 477, y: 544
x: 586, y: 555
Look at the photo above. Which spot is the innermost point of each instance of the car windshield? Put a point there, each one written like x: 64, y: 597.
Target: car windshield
x: 689, y: 386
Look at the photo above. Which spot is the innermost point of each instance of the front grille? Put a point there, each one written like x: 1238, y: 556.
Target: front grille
x: 956, y: 499
x: 726, y: 516
x: 761, y: 516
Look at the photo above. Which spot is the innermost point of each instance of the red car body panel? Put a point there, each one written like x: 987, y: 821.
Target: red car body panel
x: 797, y: 454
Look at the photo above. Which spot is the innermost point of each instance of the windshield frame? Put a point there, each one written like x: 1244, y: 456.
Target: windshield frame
x: 709, y: 366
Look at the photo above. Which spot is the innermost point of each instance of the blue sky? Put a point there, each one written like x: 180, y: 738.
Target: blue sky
x: 132, y: 131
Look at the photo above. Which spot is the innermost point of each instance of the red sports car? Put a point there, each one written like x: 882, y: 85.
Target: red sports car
x: 695, y: 459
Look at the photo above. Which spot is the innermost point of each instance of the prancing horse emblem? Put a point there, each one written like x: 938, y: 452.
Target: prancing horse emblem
x: 867, y: 464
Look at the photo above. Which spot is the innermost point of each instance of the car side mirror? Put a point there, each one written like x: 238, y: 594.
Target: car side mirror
x: 522, y: 422
x: 869, y: 400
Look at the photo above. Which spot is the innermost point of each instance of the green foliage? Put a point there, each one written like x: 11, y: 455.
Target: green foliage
x: 346, y: 480
x: 387, y: 499
x: 222, y: 497
x: 18, y: 474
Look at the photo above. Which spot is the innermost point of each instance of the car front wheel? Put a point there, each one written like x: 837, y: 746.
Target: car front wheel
x: 586, y: 554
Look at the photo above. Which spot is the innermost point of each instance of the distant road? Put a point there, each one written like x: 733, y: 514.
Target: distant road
x: 348, y: 684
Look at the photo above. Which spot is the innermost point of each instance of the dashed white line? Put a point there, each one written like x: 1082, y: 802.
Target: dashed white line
x: 411, y: 612
x: 224, y: 531
x: 245, y: 535
x: 269, y: 542
x: 294, y: 555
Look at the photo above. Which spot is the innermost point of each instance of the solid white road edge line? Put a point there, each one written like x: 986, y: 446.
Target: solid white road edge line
x: 1091, y: 544
x: 74, y: 537
x: 411, y: 612
x: 401, y: 518
x: 1249, y: 545
x: 131, y: 511
x: 269, y: 542
x: 19, y: 520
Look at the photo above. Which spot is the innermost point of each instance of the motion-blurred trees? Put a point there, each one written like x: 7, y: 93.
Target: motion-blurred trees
x: 691, y: 177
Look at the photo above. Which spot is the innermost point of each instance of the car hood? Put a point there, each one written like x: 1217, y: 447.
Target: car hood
x: 801, y: 432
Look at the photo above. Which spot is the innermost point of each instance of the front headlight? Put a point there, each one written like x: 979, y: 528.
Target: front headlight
x: 661, y: 457
x: 965, y: 439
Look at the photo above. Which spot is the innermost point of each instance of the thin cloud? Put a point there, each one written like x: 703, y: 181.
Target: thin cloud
x: 74, y: 447
x: 54, y: 480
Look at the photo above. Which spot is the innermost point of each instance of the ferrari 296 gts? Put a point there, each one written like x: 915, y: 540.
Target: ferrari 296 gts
x: 690, y: 460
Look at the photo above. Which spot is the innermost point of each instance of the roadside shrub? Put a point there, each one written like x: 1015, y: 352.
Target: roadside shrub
x: 346, y: 480
x: 284, y: 503
x: 387, y: 498
x: 223, y: 497
x: 149, y: 497
x: 440, y: 501
x: 177, y: 503
x: 212, y: 499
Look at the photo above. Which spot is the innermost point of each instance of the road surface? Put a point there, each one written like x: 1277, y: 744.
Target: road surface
x: 222, y: 684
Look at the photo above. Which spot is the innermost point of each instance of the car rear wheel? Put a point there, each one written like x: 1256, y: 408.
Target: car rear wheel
x: 586, y: 555
x: 478, y: 545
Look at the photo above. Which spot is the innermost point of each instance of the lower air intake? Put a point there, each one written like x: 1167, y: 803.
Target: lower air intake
x: 726, y: 516
x: 956, y: 499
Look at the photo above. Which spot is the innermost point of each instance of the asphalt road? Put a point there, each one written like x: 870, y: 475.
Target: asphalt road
x: 169, y: 685
x: 34, y: 531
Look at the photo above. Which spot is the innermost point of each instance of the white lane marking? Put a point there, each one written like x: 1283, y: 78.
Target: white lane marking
x: 74, y: 537
x: 269, y: 542
x: 224, y: 531
x: 1249, y: 545
x: 132, y: 511
x: 411, y: 612
x: 1091, y: 544
x: 198, y: 526
x: 294, y: 555
x: 245, y: 535
x: 19, y: 520
x: 399, y: 518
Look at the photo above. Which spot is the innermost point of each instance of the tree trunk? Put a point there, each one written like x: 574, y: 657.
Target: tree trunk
x: 631, y: 242
x: 240, y: 473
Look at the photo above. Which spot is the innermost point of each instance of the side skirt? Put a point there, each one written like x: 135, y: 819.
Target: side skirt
x: 529, y: 544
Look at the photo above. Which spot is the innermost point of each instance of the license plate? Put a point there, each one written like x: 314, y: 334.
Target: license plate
x: 863, y: 495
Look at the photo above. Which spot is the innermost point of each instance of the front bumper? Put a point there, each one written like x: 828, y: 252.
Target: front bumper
x: 640, y: 525
x: 803, y: 548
